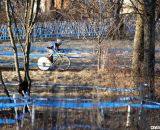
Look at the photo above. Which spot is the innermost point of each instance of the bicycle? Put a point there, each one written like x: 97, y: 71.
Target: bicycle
x: 59, y: 61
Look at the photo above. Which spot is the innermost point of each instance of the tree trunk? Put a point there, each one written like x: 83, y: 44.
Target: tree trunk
x: 117, y: 25
x: 26, y: 63
x: 99, y: 58
x: 149, y: 46
x: 5, y: 89
x: 4, y: 86
x: 138, y: 50
x: 143, y: 55
x: 7, y: 5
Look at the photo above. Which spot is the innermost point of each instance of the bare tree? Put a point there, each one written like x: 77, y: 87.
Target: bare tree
x: 100, y: 14
x: 27, y: 18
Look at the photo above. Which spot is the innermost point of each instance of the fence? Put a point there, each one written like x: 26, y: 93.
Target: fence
x: 70, y: 29
x: 64, y: 29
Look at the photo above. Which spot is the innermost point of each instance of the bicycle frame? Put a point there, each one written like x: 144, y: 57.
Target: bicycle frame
x: 59, y: 59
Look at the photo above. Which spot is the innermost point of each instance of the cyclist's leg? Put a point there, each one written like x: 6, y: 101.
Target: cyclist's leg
x: 50, y: 57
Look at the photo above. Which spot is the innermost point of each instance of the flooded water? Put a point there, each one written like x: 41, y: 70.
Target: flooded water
x: 70, y: 108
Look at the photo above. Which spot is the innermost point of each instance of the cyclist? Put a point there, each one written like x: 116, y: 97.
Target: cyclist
x: 54, y: 46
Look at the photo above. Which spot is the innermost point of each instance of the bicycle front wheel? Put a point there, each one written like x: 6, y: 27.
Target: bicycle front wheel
x: 62, y: 62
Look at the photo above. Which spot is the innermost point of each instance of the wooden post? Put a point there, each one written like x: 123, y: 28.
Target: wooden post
x: 16, y: 113
x: 33, y: 115
x: 128, y: 123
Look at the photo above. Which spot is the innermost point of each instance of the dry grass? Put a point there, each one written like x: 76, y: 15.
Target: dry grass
x: 110, y: 77
x: 107, y: 78
x: 104, y: 78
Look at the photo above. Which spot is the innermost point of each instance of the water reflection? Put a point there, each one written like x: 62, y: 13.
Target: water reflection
x: 69, y: 109
x: 61, y: 112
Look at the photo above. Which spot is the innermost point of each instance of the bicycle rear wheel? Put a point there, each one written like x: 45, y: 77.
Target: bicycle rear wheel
x: 44, y: 63
x: 62, y: 62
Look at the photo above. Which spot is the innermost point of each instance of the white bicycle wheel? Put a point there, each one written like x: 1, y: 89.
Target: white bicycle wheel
x: 44, y: 63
